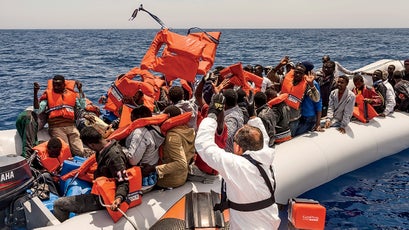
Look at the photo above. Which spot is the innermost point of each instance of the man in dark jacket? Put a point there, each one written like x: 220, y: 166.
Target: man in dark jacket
x: 266, y: 114
x: 112, y: 163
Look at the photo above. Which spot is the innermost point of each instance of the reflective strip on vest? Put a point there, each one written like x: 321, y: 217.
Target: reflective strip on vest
x: 116, y: 92
x: 67, y: 107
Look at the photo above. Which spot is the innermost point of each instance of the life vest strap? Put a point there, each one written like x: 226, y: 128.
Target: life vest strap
x: 213, y: 39
x: 254, y: 206
x: 68, y: 107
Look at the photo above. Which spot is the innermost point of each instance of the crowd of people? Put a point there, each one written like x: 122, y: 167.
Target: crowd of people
x: 196, y: 130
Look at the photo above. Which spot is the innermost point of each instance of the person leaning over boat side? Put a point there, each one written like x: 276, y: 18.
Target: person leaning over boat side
x: 60, y: 102
x: 111, y: 163
x: 245, y: 182
x: 402, y: 92
x: 341, y: 105
x: 298, y: 85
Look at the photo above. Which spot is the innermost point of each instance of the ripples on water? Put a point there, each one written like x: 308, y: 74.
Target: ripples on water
x: 373, y: 197
x: 96, y: 57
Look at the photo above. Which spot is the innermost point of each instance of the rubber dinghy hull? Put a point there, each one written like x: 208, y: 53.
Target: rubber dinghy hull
x: 300, y: 165
x: 313, y: 159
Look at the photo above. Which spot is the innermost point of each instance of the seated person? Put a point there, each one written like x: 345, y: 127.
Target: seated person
x: 266, y: 114
x: 51, y: 154
x: 142, y: 145
x: 112, y: 163
x: 178, y: 152
x: 341, y: 105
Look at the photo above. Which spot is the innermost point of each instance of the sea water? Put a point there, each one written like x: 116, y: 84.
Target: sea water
x: 373, y: 200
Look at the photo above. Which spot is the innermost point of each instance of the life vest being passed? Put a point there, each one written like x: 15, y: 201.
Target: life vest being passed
x: 123, y: 132
x: 179, y: 59
x: 125, y: 87
x: 363, y: 110
x: 106, y: 188
x: 126, y: 110
x: 283, y: 132
x: 211, y: 39
x: 85, y: 171
x: 240, y: 77
x: 295, y: 92
x: 147, y: 77
x: 50, y: 163
x: 60, y: 105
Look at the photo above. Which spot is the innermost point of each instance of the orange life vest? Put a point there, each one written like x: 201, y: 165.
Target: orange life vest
x: 240, y: 77
x: 147, y: 77
x: 363, y: 111
x: 277, y: 100
x: 127, y: 110
x: 123, y: 132
x: 295, y: 92
x: 58, y: 105
x: 106, y: 188
x: 125, y: 87
x: 89, y: 106
x: 181, y: 119
x: 85, y: 171
x: 209, y: 52
x: 50, y: 163
x: 179, y: 59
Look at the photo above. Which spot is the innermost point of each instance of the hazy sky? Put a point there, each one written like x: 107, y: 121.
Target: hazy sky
x: 114, y: 14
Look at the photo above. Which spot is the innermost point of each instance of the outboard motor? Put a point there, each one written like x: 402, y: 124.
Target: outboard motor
x: 15, y: 179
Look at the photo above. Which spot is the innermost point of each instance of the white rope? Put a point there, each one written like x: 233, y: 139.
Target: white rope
x: 126, y: 217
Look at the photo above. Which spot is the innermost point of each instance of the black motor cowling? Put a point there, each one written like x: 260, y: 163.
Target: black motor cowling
x: 15, y: 178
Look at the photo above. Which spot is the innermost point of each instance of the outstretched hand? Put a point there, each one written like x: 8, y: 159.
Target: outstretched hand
x: 36, y: 87
x: 310, y: 77
x: 221, y: 86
